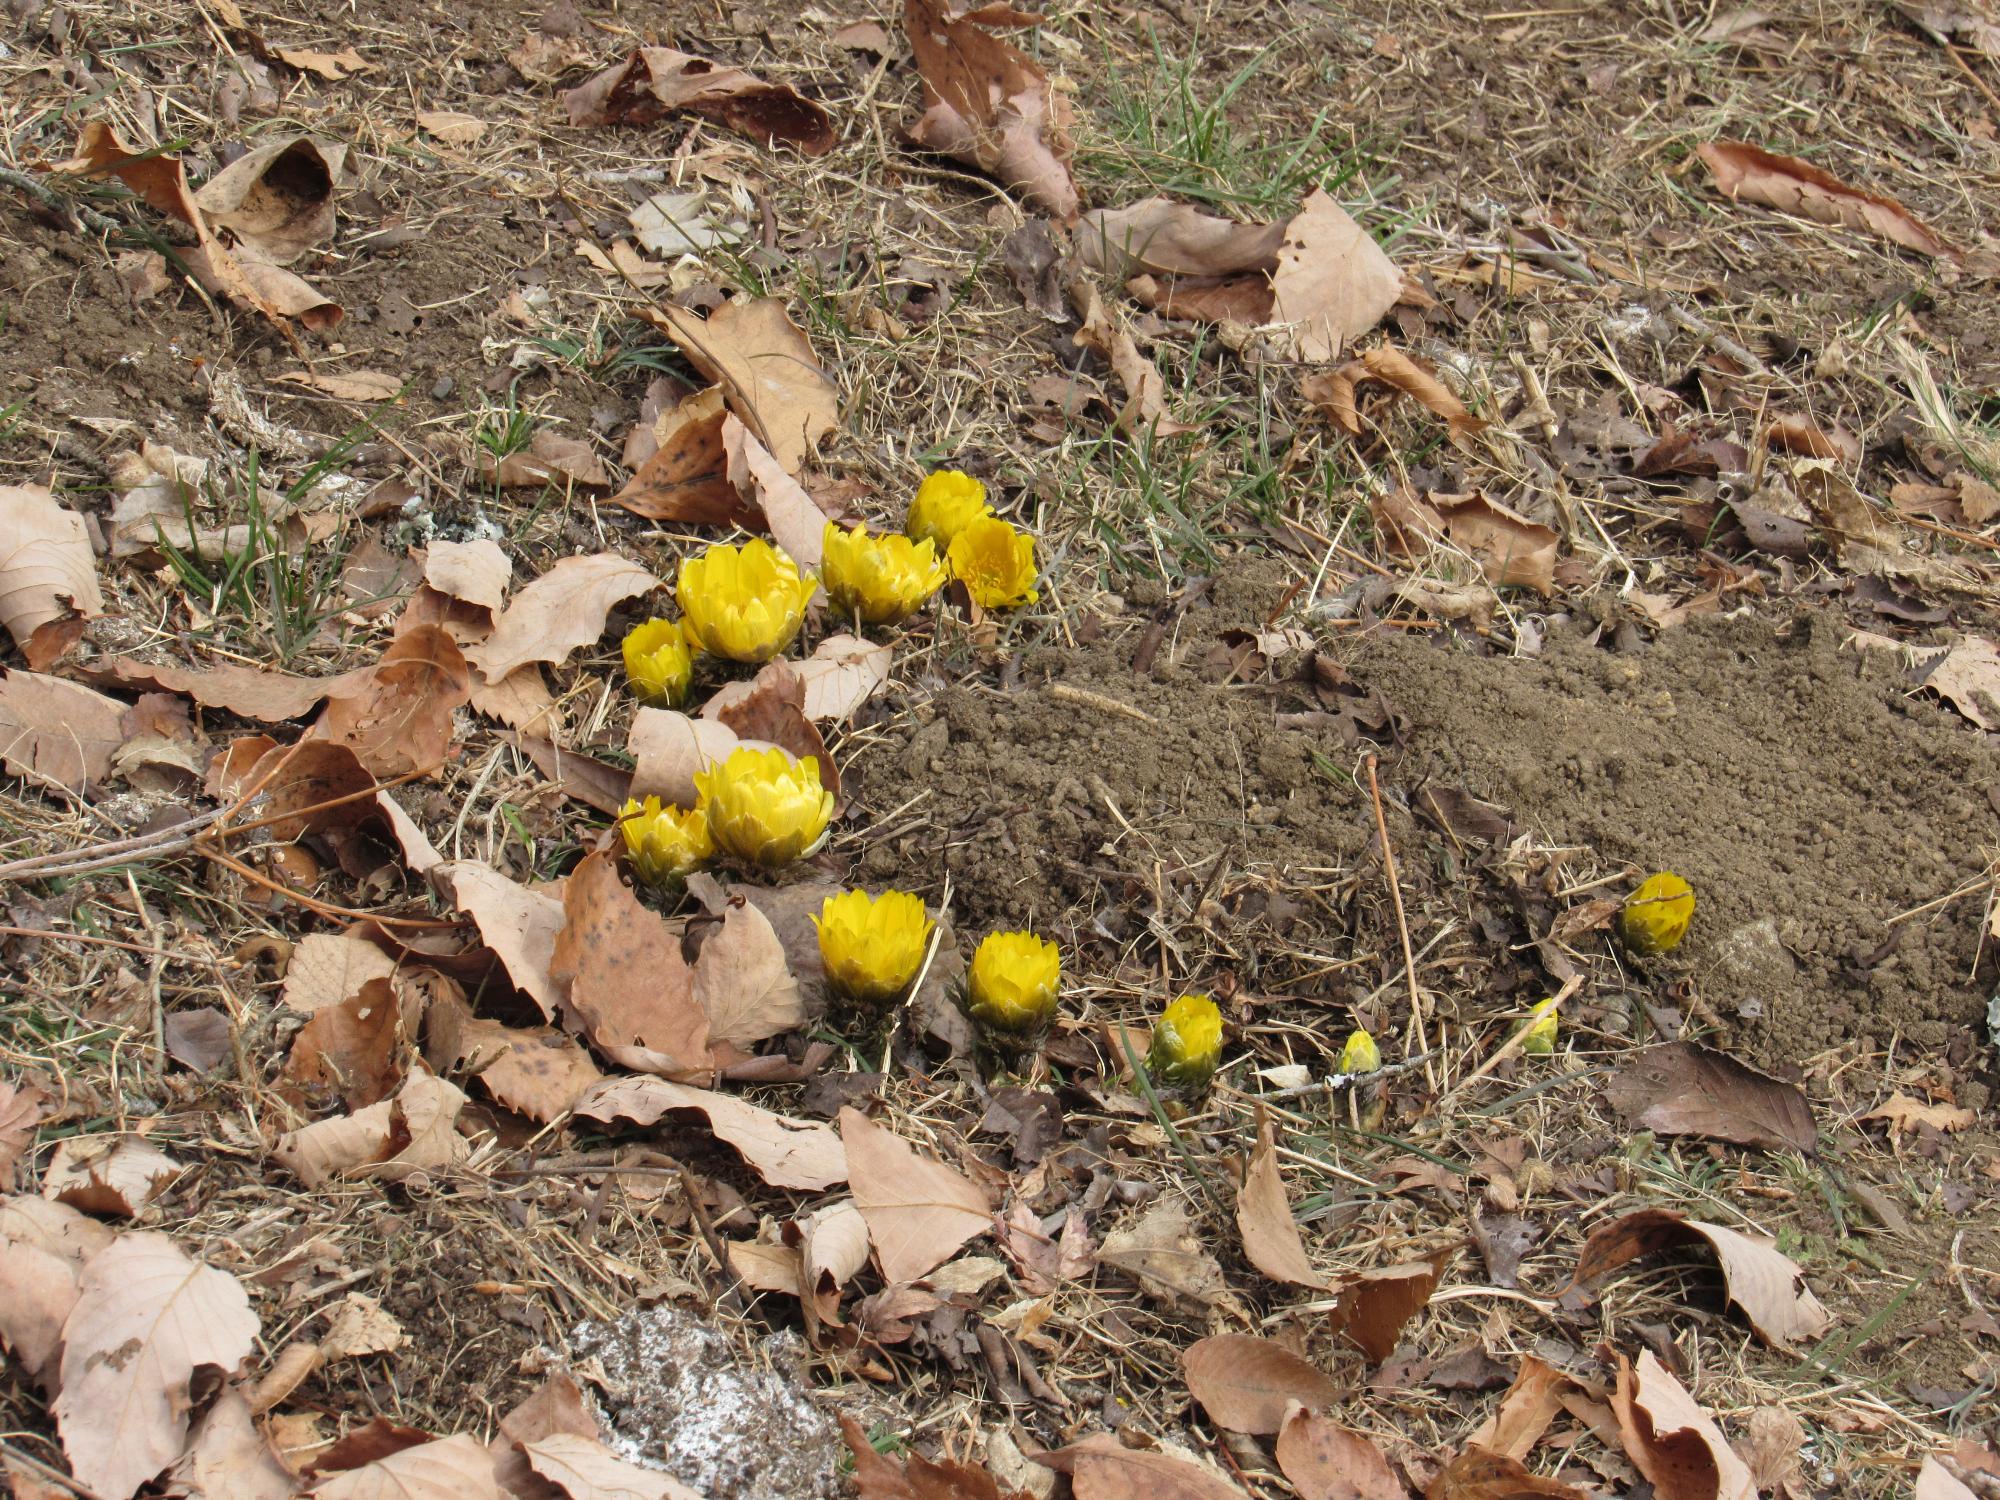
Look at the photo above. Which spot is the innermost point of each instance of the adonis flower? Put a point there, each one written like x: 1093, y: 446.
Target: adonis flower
x: 1360, y: 1055
x: 743, y: 603
x: 662, y: 842
x: 878, y: 579
x: 1012, y: 987
x: 658, y: 663
x: 947, y: 502
x: 872, y: 946
x: 1538, y: 1032
x: 1187, y: 1042
x: 763, y: 807
x: 1656, y: 916
x: 996, y: 563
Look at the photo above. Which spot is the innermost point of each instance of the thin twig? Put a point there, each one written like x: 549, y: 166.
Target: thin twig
x: 1402, y: 925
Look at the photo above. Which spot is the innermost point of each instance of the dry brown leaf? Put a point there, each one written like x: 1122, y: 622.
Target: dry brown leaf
x: 1317, y: 276
x: 23, y: 1107
x: 843, y: 673
x: 919, y: 1210
x: 475, y: 572
x: 1145, y: 408
x: 56, y: 733
x: 396, y: 717
x: 559, y: 612
x: 1936, y: 1482
x: 334, y: 67
x: 1905, y: 1114
x: 1246, y: 1384
x: 453, y: 1468
x: 686, y: 477
x: 327, y: 968
x: 1967, y: 677
x: 1684, y: 1088
x: 626, y: 987
x: 1524, y: 1413
x: 108, y: 1174
x: 1479, y: 1474
x: 1325, y: 1461
x: 1798, y: 187
x: 833, y: 1248
x: 1672, y: 1441
x: 277, y: 198
x: 786, y: 1153
x: 1773, y: 1446
x: 1271, y: 1239
x: 450, y: 126
x: 1762, y: 1280
x: 536, y: 1071
x: 657, y: 81
x: 519, y: 925
x: 146, y: 1319
x: 1101, y: 1468
x: 416, y: 1130
x: 742, y: 981
x: 46, y: 567
x: 770, y: 710
x: 54, y: 1227
x: 597, y: 783
x: 549, y: 458
x: 346, y: 385
x: 1805, y: 437
x: 783, y: 507
x: 1163, y: 1255
x: 1371, y: 1308
x: 1333, y: 392
x: 1510, y: 549
x: 668, y: 748
x: 766, y: 369
x: 229, y: 1454
x: 37, y: 1290
x: 987, y: 103
x: 351, y: 1049
x: 585, y: 1469
x: 268, y: 697
x: 358, y: 1327
x: 914, y: 1477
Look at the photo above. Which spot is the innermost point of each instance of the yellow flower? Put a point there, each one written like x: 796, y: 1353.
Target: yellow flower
x: 1360, y: 1055
x: 658, y: 663
x: 996, y: 563
x: 872, y: 947
x: 1656, y: 916
x: 1187, y: 1042
x: 764, y: 807
x: 744, y: 603
x: 878, y: 579
x: 662, y: 842
x: 1538, y: 1032
x: 1013, y: 984
x: 947, y: 502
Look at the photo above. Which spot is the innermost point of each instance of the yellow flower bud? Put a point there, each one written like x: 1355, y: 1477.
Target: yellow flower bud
x: 878, y: 579
x: 1012, y: 986
x: 1187, y: 1042
x: 662, y: 842
x: 947, y: 502
x: 658, y: 663
x: 1538, y: 1032
x: 1360, y: 1055
x: 872, y: 947
x: 996, y: 563
x: 763, y: 807
x: 1656, y: 916
x: 743, y: 603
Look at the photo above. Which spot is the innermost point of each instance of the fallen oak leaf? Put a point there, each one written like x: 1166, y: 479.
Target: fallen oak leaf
x: 1906, y: 1114
x: 1101, y: 1468
x: 453, y: 1468
x: 914, y: 1477
x: 475, y: 572
x: 1163, y: 1255
x: 766, y: 368
x: 350, y: 1048
x: 451, y: 126
x: 249, y: 692
x: 584, y: 1469
x: 58, y: 734
x: 1480, y: 1474
x: 229, y: 1454
x: 519, y: 925
x: 46, y: 566
x: 1247, y: 1384
x: 1672, y: 1442
x: 1762, y: 1280
x: 1371, y: 1307
x: 23, y: 1107
x: 346, y: 385
x: 414, y: 1131
x: 686, y: 478
x: 535, y: 1071
x: 108, y: 1174
x: 784, y: 1152
x: 397, y: 715
x: 559, y: 612
x: 919, y: 1211
x: 1967, y: 676
x: 742, y: 981
x: 277, y: 198
x: 1684, y: 1088
x: 783, y: 506
x: 625, y: 986
x: 334, y: 67
x: 549, y: 458
x: 1325, y: 1461
x: 1333, y: 392
x: 1271, y: 1239
x: 1789, y: 185
x: 653, y: 82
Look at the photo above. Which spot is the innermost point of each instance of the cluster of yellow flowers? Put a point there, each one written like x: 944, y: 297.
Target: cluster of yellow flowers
x: 758, y: 806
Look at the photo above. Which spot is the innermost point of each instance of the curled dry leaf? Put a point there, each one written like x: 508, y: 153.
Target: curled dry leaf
x: 919, y: 1210
x: 1805, y: 437
x: 108, y: 1174
x: 1793, y: 186
x: 1246, y: 1384
x: 1102, y: 1468
x: 268, y: 697
x: 146, y: 1319
x: 770, y: 710
x: 416, y: 1130
x: 46, y: 567
x: 765, y: 366
x: 396, y: 716
x: 843, y: 673
x: 987, y: 103
x: 1672, y: 1441
x: 786, y: 1153
x: 1905, y: 1115
x: 1684, y: 1088
x: 1145, y: 408
x: 277, y: 198
x: 594, y: 782
x: 1762, y: 1280
x: 1968, y: 678
x: 23, y: 1107
x: 1481, y: 1474
x: 1371, y: 1308
x: 1509, y: 548
x: 519, y: 925
x: 584, y: 1469
x: 476, y: 572
x: 742, y: 981
x: 1163, y: 1255
x: 37, y: 1290
x: 559, y: 612
x: 1325, y: 1461
x: 350, y: 1049
x: 781, y: 504
x: 687, y: 476
x: 1333, y: 392
x: 230, y: 1455
x: 626, y: 988
x: 1317, y: 276
x: 453, y: 1468
x: 914, y: 1477
x: 536, y: 1071
x: 549, y: 458
x: 58, y: 734
x: 657, y: 81
x: 1264, y: 1216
